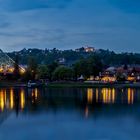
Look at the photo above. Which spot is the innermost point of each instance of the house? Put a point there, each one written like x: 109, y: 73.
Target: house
x: 109, y: 75
x: 85, y: 49
x: 134, y: 73
x: 89, y: 49
x: 61, y: 61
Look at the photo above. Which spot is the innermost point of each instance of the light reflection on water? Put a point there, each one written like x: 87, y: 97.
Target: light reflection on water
x: 111, y: 95
x: 66, y: 112
x: 10, y: 98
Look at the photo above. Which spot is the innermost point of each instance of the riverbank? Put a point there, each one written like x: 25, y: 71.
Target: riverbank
x: 72, y: 85
x: 92, y: 85
x: 12, y: 84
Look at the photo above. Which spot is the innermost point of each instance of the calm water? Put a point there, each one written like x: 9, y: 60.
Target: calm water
x: 69, y: 114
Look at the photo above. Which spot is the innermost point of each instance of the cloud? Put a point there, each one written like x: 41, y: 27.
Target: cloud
x: 68, y: 24
x: 23, y: 5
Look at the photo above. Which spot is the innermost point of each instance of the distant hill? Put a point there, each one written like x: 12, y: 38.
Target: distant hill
x: 69, y: 57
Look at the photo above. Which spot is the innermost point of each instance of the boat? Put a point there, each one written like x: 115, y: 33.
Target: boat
x: 32, y: 84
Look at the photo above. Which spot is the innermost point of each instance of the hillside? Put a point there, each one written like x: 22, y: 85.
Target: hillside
x: 68, y: 57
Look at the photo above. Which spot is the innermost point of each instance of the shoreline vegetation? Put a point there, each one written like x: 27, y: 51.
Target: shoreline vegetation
x: 93, y: 85
x: 90, y: 68
x: 71, y: 85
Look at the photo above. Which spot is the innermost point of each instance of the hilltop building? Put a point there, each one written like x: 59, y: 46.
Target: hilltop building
x: 85, y: 49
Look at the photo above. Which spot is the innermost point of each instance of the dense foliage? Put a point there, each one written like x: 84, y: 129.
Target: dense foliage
x: 71, y: 56
x: 69, y: 64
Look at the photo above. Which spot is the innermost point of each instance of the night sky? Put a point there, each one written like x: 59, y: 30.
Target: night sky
x: 70, y: 24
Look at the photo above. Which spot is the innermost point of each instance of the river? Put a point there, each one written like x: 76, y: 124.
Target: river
x: 69, y: 114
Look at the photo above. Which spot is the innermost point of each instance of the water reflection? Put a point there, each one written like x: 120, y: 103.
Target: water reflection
x: 105, y: 95
x: 11, y: 99
x: 130, y: 96
x: 108, y: 95
x: 22, y: 99
x: 69, y: 110
x: 89, y: 95
x: 1, y: 101
x: 86, y: 112
x: 19, y: 99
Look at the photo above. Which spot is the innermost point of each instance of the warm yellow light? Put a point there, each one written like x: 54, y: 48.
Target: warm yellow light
x: 22, y: 99
x: 11, y: 70
x: 113, y: 95
x: 104, y: 95
x: 1, y: 69
x: 1, y: 100
x: 130, y: 96
x: 5, y: 96
x: 108, y: 79
x: 108, y: 95
x: 11, y: 99
x: 22, y: 71
x: 131, y: 78
x: 97, y: 92
x: 89, y: 95
x: 36, y: 93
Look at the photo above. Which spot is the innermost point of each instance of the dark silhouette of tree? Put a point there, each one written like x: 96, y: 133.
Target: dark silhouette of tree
x: 125, y: 67
x: 32, y: 68
x: 43, y: 72
x: 16, y: 72
x: 63, y: 73
x: 51, y: 69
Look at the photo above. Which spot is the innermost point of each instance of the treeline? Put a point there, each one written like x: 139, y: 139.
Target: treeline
x: 44, y: 64
x: 91, y: 65
x: 45, y: 57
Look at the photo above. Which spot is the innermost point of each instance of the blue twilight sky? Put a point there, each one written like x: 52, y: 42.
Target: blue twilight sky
x: 69, y: 24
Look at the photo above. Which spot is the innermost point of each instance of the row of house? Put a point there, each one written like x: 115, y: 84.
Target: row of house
x: 122, y: 73
x: 127, y: 73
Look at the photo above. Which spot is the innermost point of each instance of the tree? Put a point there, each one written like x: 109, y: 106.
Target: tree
x: 32, y: 68
x: 121, y: 76
x: 87, y: 67
x: 80, y: 68
x: 63, y: 73
x: 51, y: 69
x: 95, y: 65
x: 43, y: 72
x: 16, y: 72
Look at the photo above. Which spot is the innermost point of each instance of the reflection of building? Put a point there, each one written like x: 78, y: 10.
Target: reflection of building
x: 89, y: 95
x: 8, y: 99
x: 130, y: 96
x: 108, y: 95
x: 34, y: 99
